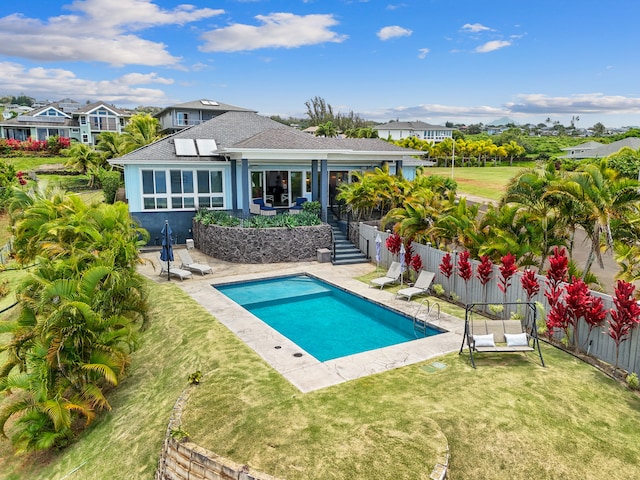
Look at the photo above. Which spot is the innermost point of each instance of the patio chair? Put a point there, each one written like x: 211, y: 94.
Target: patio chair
x: 174, y: 271
x: 423, y: 282
x: 189, y: 264
x: 259, y: 207
x: 392, y: 276
x: 297, y: 207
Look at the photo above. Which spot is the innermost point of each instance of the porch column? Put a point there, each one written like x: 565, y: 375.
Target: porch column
x: 398, y: 166
x: 314, y: 180
x: 324, y: 188
x: 235, y: 204
x: 244, y: 187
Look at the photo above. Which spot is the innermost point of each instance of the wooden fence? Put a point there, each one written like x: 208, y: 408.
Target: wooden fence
x: 599, y: 344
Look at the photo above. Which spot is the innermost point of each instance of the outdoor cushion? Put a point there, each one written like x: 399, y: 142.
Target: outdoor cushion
x: 516, y: 339
x: 484, y: 340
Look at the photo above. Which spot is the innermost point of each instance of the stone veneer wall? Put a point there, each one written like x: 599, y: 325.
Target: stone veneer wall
x: 261, y: 245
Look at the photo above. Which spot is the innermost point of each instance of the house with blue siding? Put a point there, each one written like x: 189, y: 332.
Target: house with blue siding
x: 80, y: 122
x: 226, y: 162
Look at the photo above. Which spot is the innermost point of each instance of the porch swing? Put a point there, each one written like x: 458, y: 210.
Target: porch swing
x: 500, y: 336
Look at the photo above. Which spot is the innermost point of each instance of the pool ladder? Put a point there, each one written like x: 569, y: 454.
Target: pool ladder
x: 425, y: 313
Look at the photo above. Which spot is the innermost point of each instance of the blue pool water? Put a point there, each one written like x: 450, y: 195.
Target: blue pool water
x: 322, y: 319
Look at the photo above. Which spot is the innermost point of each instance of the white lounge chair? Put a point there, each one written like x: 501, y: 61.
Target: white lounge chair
x: 423, y: 282
x: 392, y: 276
x: 189, y: 264
x: 174, y: 271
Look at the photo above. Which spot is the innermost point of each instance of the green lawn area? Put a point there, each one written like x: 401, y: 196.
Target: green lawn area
x: 509, y: 418
x: 487, y: 182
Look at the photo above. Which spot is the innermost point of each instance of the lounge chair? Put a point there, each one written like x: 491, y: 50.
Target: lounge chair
x: 392, y: 276
x: 259, y: 207
x: 423, y: 282
x: 297, y: 207
x: 174, y: 271
x: 189, y: 264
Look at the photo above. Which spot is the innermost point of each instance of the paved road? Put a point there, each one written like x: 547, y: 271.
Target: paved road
x: 580, y: 253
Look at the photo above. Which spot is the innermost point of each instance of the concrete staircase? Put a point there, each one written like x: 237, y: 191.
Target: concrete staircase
x: 346, y: 253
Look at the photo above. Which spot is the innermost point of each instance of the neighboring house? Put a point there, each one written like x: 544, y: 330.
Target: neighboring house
x: 177, y: 117
x: 421, y: 130
x: 599, y: 150
x: 69, y: 119
x: 235, y: 157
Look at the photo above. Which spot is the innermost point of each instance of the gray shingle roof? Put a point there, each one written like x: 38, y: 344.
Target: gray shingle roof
x: 605, y: 150
x: 248, y: 130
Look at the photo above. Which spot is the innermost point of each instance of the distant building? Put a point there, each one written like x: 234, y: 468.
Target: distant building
x: 69, y: 119
x: 600, y: 150
x: 182, y: 115
x: 418, y: 129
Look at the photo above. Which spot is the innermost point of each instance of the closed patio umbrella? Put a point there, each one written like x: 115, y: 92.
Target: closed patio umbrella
x: 402, y: 254
x: 166, y: 254
x: 378, y: 245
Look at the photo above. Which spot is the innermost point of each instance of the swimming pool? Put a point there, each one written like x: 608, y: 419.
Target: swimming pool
x: 325, y: 321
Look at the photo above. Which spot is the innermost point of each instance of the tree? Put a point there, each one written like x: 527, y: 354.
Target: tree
x: 327, y: 129
x: 484, y: 273
x: 82, y: 157
x: 111, y: 144
x: 507, y: 269
x: 513, y: 149
x: 602, y: 198
x: 319, y: 111
x: 141, y: 130
x: 598, y: 129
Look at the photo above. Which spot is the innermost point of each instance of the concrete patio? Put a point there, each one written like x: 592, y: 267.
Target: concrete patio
x: 304, y: 371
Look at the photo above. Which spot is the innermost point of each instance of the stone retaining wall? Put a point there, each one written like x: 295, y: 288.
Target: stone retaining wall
x: 261, y: 245
x: 188, y: 461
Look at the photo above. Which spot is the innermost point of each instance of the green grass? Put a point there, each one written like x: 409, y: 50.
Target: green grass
x: 487, y: 182
x: 27, y: 163
x: 509, y: 418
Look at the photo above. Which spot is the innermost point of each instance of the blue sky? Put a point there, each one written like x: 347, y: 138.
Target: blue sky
x: 463, y: 61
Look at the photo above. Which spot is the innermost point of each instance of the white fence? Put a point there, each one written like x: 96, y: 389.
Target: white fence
x: 600, y: 344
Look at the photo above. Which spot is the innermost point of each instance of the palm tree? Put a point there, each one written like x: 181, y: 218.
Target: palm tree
x: 111, y: 144
x: 141, y: 130
x: 82, y: 157
x: 326, y: 130
x: 603, y: 198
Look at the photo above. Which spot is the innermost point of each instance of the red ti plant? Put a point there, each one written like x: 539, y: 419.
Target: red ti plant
x: 507, y: 270
x: 580, y: 303
x: 531, y: 286
x: 465, y: 271
x: 393, y: 244
x: 556, y: 275
x: 483, y: 273
x: 530, y: 283
x: 446, y: 267
x: 416, y: 264
x: 625, y: 316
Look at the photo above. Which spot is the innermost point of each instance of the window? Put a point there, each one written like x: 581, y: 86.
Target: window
x: 182, y: 189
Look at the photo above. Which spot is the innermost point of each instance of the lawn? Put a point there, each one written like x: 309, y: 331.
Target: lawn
x: 509, y: 418
x: 487, y: 182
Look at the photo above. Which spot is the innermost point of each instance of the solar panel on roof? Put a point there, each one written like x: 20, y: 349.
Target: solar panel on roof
x: 185, y: 147
x: 206, y: 146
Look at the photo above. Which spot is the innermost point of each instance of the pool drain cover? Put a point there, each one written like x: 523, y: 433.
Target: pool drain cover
x: 297, y: 354
x: 277, y: 347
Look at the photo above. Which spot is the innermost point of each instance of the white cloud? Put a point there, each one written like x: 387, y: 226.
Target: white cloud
x: 393, y: 31
x: 423, y: 52
x: 492, y: 46
x: 98, y: 30
x: 475, y: 27
x: 54, y: 83
x: 584, y: 103
x: 277, y: 30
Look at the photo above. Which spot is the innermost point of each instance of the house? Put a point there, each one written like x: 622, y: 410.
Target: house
x: 176, y: 117
x: 66, y: 119
x: 421, y: 130
x: 599, y: 150
x: 237, y: 156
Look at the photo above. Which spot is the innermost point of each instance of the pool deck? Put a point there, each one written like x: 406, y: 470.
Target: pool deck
x: 304, y: 371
